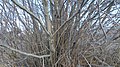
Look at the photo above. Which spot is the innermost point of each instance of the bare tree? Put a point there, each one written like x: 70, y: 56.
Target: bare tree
x: 59, y: 33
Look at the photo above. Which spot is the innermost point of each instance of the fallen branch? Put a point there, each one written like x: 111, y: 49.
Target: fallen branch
x: 24, y: 53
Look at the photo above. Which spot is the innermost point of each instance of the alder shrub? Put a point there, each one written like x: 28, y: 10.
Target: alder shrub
x: 59, y: 33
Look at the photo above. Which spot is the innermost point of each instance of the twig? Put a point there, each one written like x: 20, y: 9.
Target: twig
x: 43, y: 62
x: 86, y: 60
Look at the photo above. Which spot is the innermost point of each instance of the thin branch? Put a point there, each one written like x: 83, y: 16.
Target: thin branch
x: 102, y: 61
x: 101, y: 22
x: 29, y: 12
x: 66, y: 22
x: 24, y: 53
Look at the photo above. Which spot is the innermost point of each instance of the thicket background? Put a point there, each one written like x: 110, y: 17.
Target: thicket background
x: 59, y: 33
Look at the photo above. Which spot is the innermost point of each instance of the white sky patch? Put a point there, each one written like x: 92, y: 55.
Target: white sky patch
x: 115, y: 9
x: 19, y: 24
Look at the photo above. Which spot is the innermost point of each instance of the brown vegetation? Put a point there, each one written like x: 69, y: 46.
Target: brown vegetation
x: 59, y: 33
